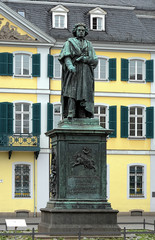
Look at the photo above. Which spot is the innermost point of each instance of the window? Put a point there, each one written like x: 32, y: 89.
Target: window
x: 22, y: 181
x: 101, y: 71
x: 57, y: 111
x: 107, y: 116
x: 57, y: 67
x: 136, y: 181
x: 22, y: 118
x: 59, y: 21
x: 54, y: 115
x: 137, y: 70
x: 136, y: 122
x: 26, y: 65
x: 59, y: 17
x: 22, y: 65
x: 21, y: 12
x: 97, y: 23
x: 106, y: 69
x: 97, y: 19
x: 101, y: 113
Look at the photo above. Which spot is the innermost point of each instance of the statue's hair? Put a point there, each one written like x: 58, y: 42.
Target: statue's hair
x: 76, y: 26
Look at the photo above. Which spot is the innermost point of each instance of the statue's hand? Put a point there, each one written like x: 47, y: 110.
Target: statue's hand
x: 72, y: 69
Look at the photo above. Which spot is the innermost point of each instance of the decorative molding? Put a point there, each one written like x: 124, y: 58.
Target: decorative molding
x: 84, y: 157
x: 9, y: 32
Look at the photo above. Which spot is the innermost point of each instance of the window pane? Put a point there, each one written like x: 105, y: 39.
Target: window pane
x: 139, y: 70
x: 96, y: 110
x: 99, y: 21
x: 26, y: 107
x: 56, y: 109
x: 132, y: 169
x: 57, y: 68
x: 94, y: 23
x: 26, y: 116
x: 139, y: 111
x: 139, y: 169
x: 96, y: 74
x: 18, y: 107
x: 132, y: 70
x: 102, y: 68
x: 132, y: 110
x: 102, y: 110
x: 56, y: 21
x: 18, y: 117
x: 62, y: 21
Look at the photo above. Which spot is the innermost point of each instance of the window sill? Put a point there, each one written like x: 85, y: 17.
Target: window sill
x: 22, y: 76
x: 136, y: 138
x: 136, y: 81
x: 98, y: 30
x: 133, y: 197
x: 101, y: 80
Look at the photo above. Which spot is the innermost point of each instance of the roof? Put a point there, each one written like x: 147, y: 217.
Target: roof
x: 122, y: 21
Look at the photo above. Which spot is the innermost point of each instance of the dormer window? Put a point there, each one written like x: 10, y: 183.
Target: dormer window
x: 59, y: 17
x: 97, y: 19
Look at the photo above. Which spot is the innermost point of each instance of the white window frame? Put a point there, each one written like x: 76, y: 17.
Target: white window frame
x: 30, y: 64
x: 143, y: 122
x: 106, y: 115
x: 143, y: 60
x: 56, y: 114
x: 59, y: 11
x: 98, y: 69
x: 30, y: 116
x: 97, y: 13
x: 60, y: 66
x: 31, y: 180
x: 144, y: 181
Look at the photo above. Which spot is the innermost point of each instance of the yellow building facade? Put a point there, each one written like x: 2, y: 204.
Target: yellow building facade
x: 30, y: 105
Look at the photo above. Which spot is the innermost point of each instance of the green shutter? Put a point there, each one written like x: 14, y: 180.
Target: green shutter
x: 10, y: 64
x: 10, y: 118
x: 36, y: 65
x: 113, y: 120
x: 6, y: 64
x: 149, y: 71
x: 124, y: 122
x: 50, y: 66
x: 6, y: 118
x: 49, y: 116
x: 149, y: 122
x: 36, y: 110
x: 124, y: 69
x: 112, y: 69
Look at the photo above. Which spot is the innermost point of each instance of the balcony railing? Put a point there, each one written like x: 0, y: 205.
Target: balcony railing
x: 19, y: 142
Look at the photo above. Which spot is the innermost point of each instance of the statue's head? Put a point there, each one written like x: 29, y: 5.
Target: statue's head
x: 77, y: 26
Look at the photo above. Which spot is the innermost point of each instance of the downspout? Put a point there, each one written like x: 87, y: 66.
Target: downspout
x: 34, y: 181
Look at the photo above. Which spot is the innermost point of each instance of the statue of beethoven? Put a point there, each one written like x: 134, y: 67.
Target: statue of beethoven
x: 78, y: 61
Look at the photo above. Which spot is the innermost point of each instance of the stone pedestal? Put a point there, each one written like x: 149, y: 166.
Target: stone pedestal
x: 78, y: 182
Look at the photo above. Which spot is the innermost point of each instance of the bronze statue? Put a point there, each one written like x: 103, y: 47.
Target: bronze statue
x: 78, y: 61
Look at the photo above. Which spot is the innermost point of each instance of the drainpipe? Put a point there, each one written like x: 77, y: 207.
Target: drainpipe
x: 34, y: 180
